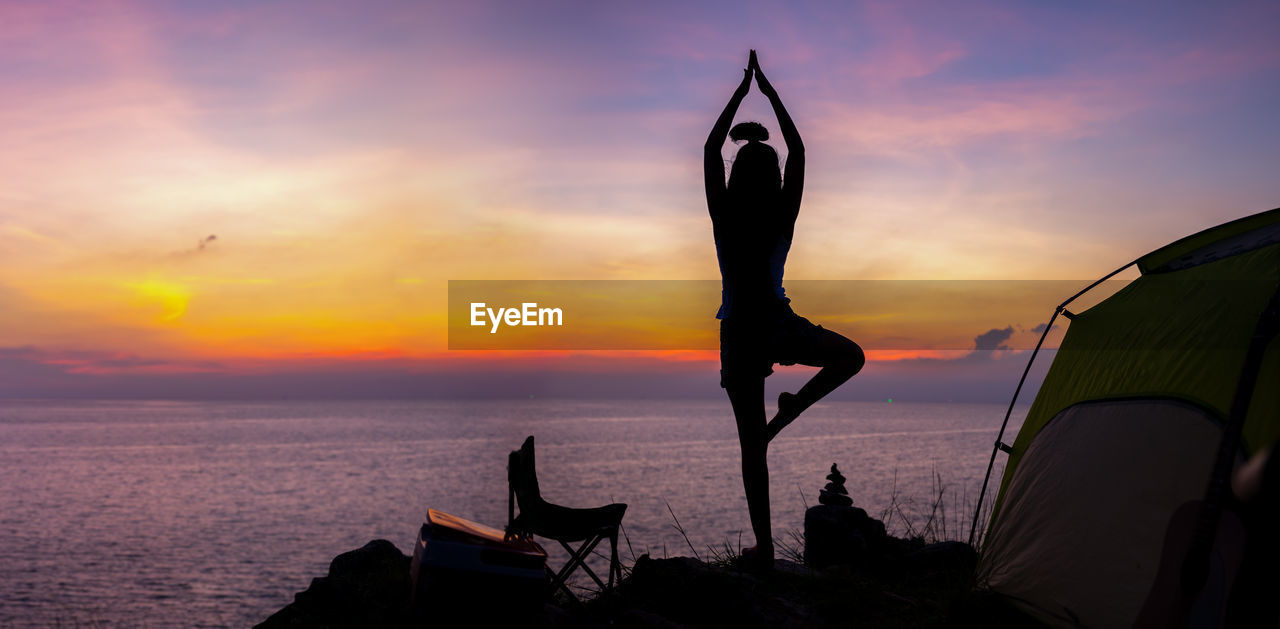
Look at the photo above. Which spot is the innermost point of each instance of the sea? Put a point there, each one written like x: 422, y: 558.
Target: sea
x: 214, y: 514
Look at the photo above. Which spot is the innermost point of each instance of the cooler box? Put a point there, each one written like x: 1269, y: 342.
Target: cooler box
x: 459, y: 563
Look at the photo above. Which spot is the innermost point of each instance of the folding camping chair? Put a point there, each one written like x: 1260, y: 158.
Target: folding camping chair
x: 562, y: 524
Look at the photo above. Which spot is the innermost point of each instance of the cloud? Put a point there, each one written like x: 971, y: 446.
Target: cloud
x: 903, y: 50
x: 201, y: 245
x: 1040, y: 328
x: 958, y: 117
x: 993, y: 339
x: 76, y: 361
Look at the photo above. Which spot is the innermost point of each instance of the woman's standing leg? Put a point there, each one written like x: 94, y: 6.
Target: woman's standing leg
x: 747, y: 398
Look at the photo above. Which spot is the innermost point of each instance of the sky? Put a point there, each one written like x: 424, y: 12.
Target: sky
x: 270, y: 198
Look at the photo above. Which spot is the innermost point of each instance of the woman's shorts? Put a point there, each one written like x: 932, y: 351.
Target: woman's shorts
x: 749, y: 346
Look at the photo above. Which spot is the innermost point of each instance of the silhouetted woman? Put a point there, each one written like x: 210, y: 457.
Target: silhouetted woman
x: 753, y: 219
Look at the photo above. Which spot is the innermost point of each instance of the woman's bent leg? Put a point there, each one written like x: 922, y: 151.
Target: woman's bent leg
x: 747, y: 398
x: 839, y: 359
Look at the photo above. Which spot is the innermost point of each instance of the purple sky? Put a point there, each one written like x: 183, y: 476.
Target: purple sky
x: 351, y: 158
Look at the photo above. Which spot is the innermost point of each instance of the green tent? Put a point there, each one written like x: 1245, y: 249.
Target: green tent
x: 1127, y: 425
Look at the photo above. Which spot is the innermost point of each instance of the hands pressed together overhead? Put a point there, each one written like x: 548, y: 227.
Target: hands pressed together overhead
x: 713, y: 162
x: 753, y: 68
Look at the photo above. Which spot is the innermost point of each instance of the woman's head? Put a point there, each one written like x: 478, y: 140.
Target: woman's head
x: 755, y: 171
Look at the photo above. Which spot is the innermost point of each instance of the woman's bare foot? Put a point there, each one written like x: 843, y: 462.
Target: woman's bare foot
x: 789, y: 409
x: 757, y: 558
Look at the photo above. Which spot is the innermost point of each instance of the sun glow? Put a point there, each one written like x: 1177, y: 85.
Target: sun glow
x: 171, y: 297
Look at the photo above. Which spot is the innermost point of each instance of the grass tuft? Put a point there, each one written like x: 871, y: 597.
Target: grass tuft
x: 680, y: 529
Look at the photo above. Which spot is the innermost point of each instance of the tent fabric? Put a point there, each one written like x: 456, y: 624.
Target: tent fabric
x: 1178, y: 333
x: 1181, y: 334
x: 1238, y: 236
x: 1103, y: 539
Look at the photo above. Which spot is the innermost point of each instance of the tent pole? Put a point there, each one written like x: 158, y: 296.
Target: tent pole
x: 995, y: 448
x: 1000, y: 437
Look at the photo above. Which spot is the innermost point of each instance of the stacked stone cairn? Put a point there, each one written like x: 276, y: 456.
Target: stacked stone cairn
x: 834, y: 494
x: 836, y: 532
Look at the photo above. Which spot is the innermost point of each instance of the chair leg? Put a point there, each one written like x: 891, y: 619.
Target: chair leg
x: 555, y: 583
x: 579, y: 558
x: 614, y: 568
x: 576, y: 558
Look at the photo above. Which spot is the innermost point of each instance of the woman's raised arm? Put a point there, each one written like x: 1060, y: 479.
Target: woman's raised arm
x: 793, y: 177
x: 712, y: 161
x: 788, y: 128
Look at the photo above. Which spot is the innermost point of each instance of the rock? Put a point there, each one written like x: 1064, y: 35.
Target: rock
x: 833, y: 499
x: 640, y: 619
x: 836, y: 534
x: 941, y: 561
x: 790, y: 567
x: 367, y: 587
x: 688, y: 592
